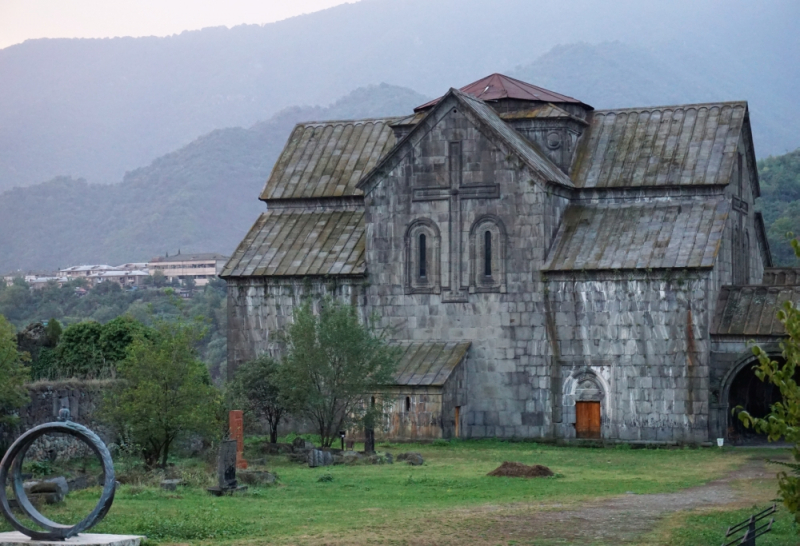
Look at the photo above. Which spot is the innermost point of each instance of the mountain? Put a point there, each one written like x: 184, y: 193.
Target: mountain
x: 98, y: 108
x: 202, y: 197
x: 617, y: 75
x: 780, y: 203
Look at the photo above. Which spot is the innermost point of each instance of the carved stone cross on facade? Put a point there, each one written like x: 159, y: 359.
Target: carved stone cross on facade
x: 454, y: 291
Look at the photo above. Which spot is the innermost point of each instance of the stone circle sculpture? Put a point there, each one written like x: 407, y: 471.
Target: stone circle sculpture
x: 12, y: 464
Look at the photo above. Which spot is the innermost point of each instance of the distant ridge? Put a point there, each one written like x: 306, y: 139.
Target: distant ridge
x: 98, y: 108
x: 200, y: 198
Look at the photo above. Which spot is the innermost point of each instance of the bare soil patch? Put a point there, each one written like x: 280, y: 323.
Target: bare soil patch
x: 519, y: 470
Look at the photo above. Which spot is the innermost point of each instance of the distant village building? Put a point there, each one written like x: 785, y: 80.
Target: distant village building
x: 125, y: 278
x: 83, y: 271
x: 200, y: 267
x: 39, y: 282
x: 35, y: 280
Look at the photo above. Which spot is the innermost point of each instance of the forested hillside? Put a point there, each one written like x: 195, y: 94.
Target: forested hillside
x: 780, y: 203
x: 95, y: 109
x: 25, y: 308
x: 201, y: 198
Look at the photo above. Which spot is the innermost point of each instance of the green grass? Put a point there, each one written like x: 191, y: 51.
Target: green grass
x: 710, y: 527
x: 396, y: 503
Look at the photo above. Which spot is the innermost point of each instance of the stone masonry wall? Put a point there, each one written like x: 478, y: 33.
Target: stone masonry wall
x: 258, y: 308
x: 82, y: 398
x: 507, y: 371
x: 643, y: 340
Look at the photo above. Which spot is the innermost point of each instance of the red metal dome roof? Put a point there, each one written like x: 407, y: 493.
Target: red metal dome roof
x: 498, y: 86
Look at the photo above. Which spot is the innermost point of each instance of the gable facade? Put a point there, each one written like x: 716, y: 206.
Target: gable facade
x: 578, y: 254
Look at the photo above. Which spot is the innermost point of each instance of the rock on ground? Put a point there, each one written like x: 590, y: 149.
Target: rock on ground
x: 256, y: 477
x: 412, y: 457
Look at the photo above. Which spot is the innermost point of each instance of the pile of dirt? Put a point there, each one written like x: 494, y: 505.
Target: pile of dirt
x: 519, y: 470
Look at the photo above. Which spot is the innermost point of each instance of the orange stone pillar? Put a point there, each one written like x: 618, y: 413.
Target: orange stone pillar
x: 236, y: 427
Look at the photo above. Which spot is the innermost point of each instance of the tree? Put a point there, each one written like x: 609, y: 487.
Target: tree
x: 783, y: 421
x: 159, y: 279
x: 189, y: 283
x: 79, y: 353
x: 13, y: 374
x: 332, y: 365
x: 164, y: 391
x: 53, y: 331
x: 255, y: 388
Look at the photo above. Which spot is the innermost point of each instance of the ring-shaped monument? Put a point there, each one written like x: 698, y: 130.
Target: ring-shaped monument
x: 12, y: 464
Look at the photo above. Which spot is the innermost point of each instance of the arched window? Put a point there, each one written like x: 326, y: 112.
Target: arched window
x: 746, y: 259
x: 423, y: 257
x: 487, y: 253
x: 372, y: 402
x: 422, y: 251
x: 735, y: 258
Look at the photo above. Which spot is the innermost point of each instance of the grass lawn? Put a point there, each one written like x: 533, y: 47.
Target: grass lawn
x: 448, y: 497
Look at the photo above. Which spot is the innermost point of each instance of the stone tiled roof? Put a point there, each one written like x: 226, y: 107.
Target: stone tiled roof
x: 752, y: 310
x: 292, y: 242
x: 643, y: 235
x: 328, y: 159
x: 661, y: 146
x: 781, y: 276
x: 429, y: 363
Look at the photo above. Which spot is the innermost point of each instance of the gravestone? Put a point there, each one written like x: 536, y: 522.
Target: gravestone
x: 226, y: 465
x: 236, y: 427
x: 317, y: 457
x: 226, y: 470
x: 369, y: 440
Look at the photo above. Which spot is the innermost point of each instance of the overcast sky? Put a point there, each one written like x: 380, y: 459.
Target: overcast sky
x: 21, y: 20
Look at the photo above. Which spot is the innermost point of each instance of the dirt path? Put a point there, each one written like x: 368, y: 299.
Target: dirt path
x: 624, y: 519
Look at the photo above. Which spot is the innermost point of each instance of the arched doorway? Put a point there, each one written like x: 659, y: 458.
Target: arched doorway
x: 588, y: 395
x: 755, y: 396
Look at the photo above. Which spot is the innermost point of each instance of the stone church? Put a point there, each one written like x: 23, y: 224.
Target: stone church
x: 549, y: 270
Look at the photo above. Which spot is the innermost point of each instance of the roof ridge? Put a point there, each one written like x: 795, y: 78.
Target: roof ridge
x: 670, y: 106
x: 386, y: 119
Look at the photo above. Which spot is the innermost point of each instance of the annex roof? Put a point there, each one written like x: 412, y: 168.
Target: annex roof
x: 641, y: 235
x: 752, y: 310
x: 290, y: 242
x: 499, y: 86
x: 327, y: 159
x: 428, y: 363
x: 660, y: 146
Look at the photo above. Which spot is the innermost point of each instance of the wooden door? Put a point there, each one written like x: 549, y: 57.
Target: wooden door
x: 587, y: 419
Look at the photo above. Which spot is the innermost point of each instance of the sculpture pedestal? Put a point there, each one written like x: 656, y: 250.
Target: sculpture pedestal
x: 82, y: 539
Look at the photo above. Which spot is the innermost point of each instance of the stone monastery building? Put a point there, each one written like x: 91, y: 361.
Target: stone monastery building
x: 550, y: 270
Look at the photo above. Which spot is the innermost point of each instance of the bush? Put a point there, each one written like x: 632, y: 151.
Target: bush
x: 165, y: 392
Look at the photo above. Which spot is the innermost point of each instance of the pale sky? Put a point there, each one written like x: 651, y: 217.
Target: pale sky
x: 21, y: 20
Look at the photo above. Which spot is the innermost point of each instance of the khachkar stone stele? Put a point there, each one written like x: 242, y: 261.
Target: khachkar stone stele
x: 53, y: 531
